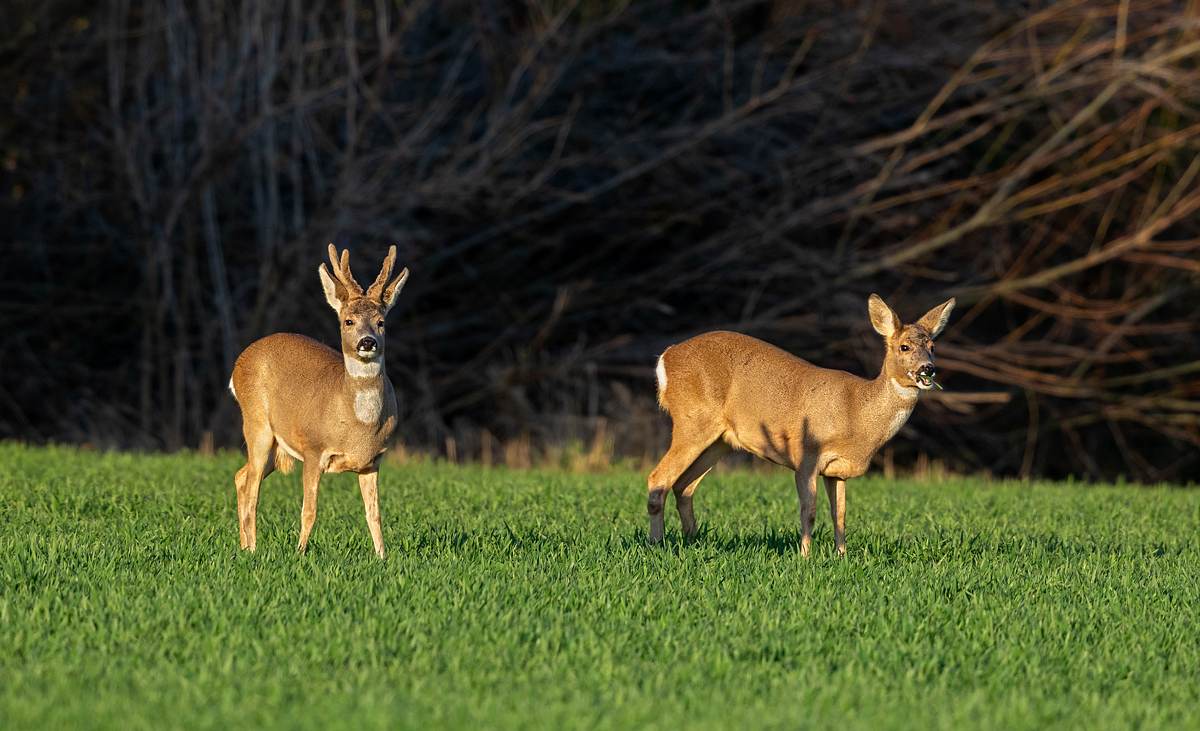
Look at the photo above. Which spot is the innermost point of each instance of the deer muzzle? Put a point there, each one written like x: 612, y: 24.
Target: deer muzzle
x: 367, y: 347
x: 924, y: 376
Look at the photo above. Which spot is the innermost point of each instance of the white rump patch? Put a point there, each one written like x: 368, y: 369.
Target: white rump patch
x: 357, y: 369
x: 285, y: 447
x: 903, y: 392
x: 368, y: 403
x: 661, y: 372
x: 231, y: 389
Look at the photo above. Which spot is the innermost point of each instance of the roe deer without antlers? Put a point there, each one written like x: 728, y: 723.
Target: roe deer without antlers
x: 726, y: 391
x: 301, y: 399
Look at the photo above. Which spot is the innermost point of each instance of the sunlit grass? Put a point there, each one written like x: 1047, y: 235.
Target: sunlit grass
x: 527, y: 599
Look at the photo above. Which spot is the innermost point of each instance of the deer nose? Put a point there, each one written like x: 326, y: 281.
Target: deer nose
x: 368, y: 344
x: 926, y: 370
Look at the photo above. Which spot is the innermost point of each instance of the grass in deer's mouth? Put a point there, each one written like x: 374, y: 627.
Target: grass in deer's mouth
x: 519, y: 600
x: 924, y: 381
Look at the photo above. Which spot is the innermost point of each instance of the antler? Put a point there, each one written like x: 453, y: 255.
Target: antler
x: 377, y: 287
x: 341, y: 270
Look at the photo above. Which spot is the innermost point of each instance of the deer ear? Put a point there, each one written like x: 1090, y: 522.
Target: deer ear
x: 331, y: 289
x: 392, y: 292
x: 935, y: 320
x: 883, y: 318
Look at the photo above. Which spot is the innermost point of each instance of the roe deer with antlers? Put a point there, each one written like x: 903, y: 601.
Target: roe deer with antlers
x: 728, y: 391
x: 301, y: 399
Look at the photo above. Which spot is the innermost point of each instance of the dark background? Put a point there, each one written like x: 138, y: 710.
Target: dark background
x: 576, y: 186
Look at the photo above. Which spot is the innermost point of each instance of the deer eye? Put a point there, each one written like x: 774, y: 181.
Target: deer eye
x: 904, y: 348
x: 379, y: 324
x: 348, y: 323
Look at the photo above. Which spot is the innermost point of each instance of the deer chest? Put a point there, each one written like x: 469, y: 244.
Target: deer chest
x: 360, y: 450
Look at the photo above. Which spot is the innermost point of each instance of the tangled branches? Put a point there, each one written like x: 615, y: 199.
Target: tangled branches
x: 576, y: 188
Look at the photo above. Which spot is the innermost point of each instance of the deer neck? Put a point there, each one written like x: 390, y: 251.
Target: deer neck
x: 364, y: 387
x: 892, y: 401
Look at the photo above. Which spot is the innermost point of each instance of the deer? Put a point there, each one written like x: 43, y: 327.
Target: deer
x: 726, y: 391
x: 302, y: 400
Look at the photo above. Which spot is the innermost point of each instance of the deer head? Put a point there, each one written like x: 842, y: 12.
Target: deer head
x: 909, y: 355
x: 361, y: 313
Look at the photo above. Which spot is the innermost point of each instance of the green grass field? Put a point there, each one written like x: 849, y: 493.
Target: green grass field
x: 528, y: 600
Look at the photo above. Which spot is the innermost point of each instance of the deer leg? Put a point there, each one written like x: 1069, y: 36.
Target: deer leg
x: 686, y: 448
x: 248, y: 480
x: 835, y: 488
x: 806, y: 487
x: 686, y: 485
x: 239, y: 484
x: 368, y: 485
x: 308, y: 512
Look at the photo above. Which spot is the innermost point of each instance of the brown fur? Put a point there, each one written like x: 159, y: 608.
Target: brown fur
x: 725, y: 391
x: 335, y: 411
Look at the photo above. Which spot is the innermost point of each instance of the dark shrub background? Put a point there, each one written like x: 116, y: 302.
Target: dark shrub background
x: 577, y: 186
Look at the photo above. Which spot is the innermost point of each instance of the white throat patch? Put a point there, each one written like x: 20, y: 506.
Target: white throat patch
x: 367, y: 404
x: 897, y: 422
x: 357, y: 369
x: 905, y: 392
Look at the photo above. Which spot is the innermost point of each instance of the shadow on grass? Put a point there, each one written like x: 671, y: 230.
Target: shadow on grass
x: 928, y: 546
x: 915, y: 547
x: 769, y: 541
x: 778, y: 542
